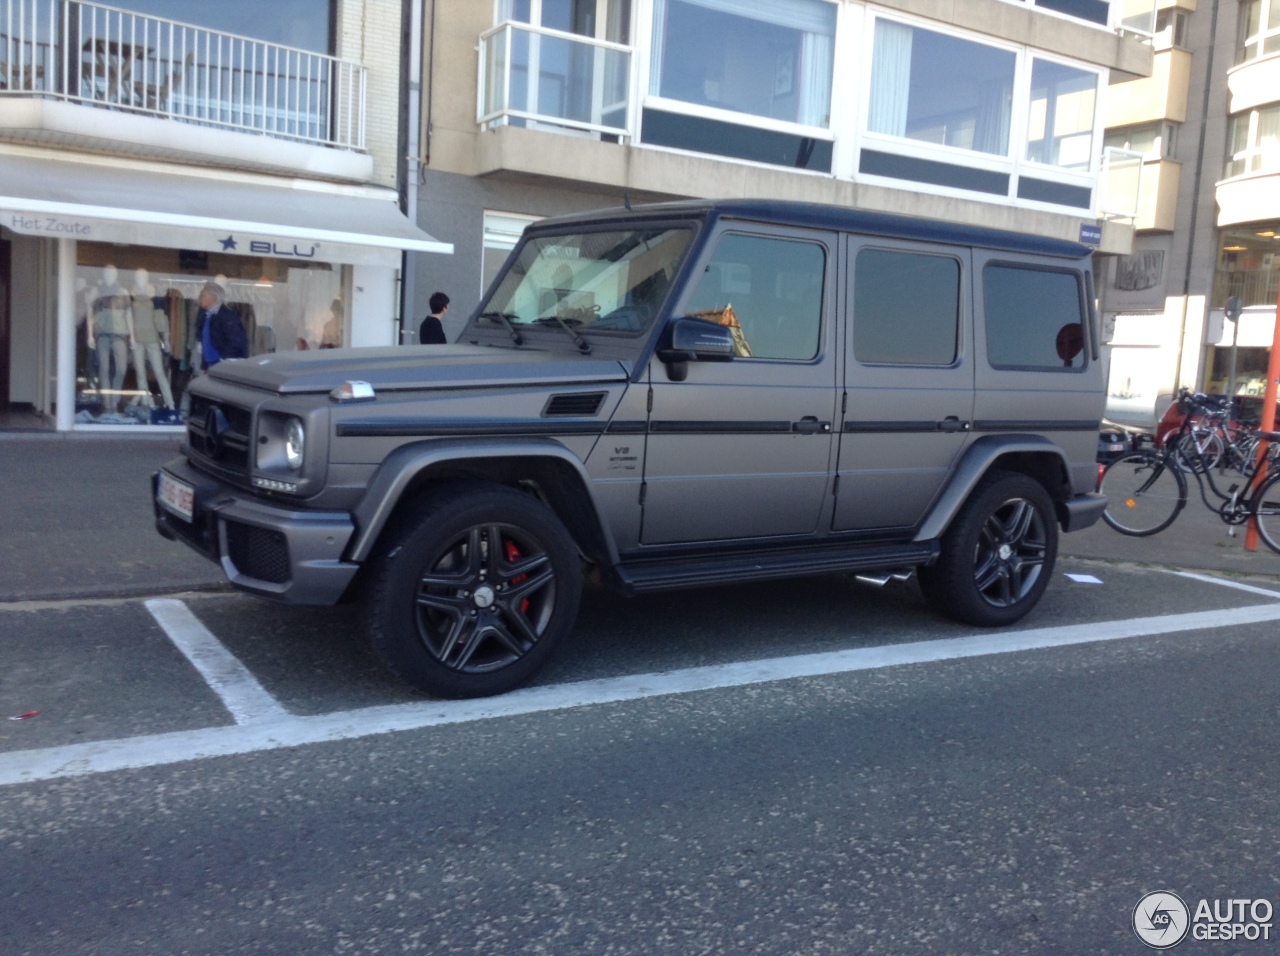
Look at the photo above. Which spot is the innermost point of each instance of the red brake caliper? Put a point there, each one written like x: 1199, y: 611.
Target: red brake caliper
x: 513, y: 554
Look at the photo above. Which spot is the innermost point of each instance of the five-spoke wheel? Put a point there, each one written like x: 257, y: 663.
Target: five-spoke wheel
x: 998, y: 554
x: 474, y: 595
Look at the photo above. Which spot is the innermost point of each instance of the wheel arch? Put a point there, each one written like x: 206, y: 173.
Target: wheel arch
x: 546, y: 467
x: 1031, y: 455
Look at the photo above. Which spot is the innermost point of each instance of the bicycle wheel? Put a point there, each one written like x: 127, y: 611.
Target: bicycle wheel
x: 1199, y: 449
x: 1266, y: 511
x: 1144, y: 493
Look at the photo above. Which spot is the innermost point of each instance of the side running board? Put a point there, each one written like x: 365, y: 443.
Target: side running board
x: 665, y: 575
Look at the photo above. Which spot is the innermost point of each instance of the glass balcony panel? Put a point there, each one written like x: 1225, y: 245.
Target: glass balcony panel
x: 554, y: 79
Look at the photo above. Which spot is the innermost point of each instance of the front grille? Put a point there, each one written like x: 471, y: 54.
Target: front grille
x: 219, y: 433
x: 258, y: 552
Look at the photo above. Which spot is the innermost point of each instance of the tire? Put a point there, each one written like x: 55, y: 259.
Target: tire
x: 1266, y: 512
x: 1144, y: 494
x: 1199, y: 449
x: 456, y: 616
x: 997, y: 555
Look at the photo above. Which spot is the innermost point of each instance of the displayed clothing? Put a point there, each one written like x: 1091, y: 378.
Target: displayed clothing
x: 112, y: 330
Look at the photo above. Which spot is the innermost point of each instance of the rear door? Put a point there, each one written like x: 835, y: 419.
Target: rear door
x: 742, y: 449
x: 909, y: 378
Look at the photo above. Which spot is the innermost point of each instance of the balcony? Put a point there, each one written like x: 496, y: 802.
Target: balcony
x: 135, y: 71
x: 546, y: 79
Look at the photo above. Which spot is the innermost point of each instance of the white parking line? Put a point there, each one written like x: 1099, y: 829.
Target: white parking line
x: 288, y: 731
x: 1226, y: 583
x: 239, y: 690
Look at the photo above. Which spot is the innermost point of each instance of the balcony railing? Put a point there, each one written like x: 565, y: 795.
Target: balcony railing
x: 530, y: 76
x: 111, y: 58
x: 1135, y: 18
x: 1120, y: 185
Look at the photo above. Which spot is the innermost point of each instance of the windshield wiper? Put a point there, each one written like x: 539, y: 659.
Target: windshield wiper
x: 505, y: 319
x: 583, y: 345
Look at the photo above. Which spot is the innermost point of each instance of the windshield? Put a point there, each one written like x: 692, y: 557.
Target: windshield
x: 595, y: 281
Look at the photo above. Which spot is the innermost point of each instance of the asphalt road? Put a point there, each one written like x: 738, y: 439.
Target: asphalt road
x: 800, y: 767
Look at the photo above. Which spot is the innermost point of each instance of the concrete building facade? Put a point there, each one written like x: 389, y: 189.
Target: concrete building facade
x: 988, y: 112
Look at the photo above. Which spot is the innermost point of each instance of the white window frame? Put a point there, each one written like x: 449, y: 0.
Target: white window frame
x: 1013, y: 163
x: 645, y: 99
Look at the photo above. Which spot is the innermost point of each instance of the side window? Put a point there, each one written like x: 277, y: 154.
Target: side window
x: 1035, y: 318
x: 906, y: 308
x: 768, y: 289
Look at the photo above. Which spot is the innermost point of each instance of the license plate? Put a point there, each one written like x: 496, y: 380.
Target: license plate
x: 178, y: 497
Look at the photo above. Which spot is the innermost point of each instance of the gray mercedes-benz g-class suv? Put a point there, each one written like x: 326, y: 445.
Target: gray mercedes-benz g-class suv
x: 679, y: 395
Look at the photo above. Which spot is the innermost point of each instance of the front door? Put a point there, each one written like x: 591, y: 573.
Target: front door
x: 908, y: 407
x: 742, y: 449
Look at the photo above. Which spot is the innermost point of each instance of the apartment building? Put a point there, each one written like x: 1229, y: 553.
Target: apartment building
x: 1206, y: 128
x: 988, y: 112
x: 148, y: 147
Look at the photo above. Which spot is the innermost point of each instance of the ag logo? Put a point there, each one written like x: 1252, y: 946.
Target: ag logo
x: 1161, y: 920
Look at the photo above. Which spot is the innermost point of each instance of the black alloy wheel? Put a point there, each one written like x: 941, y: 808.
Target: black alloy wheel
x: 998, y: 554
x: 474, y: 596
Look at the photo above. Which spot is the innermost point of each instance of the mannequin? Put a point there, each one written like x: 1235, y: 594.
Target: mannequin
x: 150, y: 335
x: 111, y: 335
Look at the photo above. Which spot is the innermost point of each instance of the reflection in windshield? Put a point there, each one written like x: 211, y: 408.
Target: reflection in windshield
x: 592, y: 282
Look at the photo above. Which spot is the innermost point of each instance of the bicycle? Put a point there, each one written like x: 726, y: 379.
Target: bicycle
x: 1147, y: 489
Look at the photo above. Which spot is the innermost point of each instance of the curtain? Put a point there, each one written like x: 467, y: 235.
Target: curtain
x: 890, y: 78
x: 995, y: 104
x: 815, y: 80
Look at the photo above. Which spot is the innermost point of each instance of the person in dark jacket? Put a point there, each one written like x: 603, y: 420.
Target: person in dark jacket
x: 432, y: 331
x: 222, y: 334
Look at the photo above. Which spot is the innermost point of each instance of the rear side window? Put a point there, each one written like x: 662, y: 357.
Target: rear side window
x: 1035, y: 318
x: 906, y: 308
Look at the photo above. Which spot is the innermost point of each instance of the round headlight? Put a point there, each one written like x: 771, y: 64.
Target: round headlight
x: 295, y: 441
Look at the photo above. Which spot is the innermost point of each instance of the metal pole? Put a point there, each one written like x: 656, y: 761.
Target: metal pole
x: 1268, y: 420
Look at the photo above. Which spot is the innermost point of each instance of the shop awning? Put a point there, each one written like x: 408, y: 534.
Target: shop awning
x: 100, y: 202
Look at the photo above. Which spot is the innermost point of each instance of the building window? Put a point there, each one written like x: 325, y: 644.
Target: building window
x: 1171, y: 29
x: 1259, y: 33
x: 1249, y: 265
x: 502, y: 230
x: 305, y: 24
x: 765, y: 58
x: 940, y: 89
x: 1152, y: 140
x: 1254, y: 141
x: 1061, y: 121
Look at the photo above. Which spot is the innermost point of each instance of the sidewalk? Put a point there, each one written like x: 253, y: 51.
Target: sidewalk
x: 76, y: 522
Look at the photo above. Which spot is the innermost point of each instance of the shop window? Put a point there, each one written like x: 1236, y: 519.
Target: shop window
x: 765, y: 58
x: 1249, y: 266
x: 940, y: 89
x: 305, y: 24
x: 1061, y: 120
x: 770, y: 290
x: 906, y: 308
x: 1035, y: 318
x: 139, y: 333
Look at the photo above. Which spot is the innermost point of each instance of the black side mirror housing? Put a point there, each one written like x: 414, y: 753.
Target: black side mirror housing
x: 688, y: 339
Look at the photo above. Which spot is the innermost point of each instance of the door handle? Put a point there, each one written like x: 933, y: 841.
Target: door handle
x: 952, y: 424
x: 809, y: 425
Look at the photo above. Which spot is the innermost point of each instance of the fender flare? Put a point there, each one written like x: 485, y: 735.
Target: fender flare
x: 400, y: 468
x: 975, y: 463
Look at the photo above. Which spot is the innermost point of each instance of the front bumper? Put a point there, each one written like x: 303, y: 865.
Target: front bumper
x: 287, y: 554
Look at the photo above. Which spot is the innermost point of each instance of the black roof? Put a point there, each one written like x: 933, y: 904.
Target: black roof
x: 841, y: 218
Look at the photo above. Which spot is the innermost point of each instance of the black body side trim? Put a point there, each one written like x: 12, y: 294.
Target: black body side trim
x: 1011, y: 425
x: 884, y: 427
x: 426, y: 427
x: 627, y: 428
x: 720, y: 428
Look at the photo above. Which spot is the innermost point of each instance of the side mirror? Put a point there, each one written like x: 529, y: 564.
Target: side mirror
x: 694, y: 340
